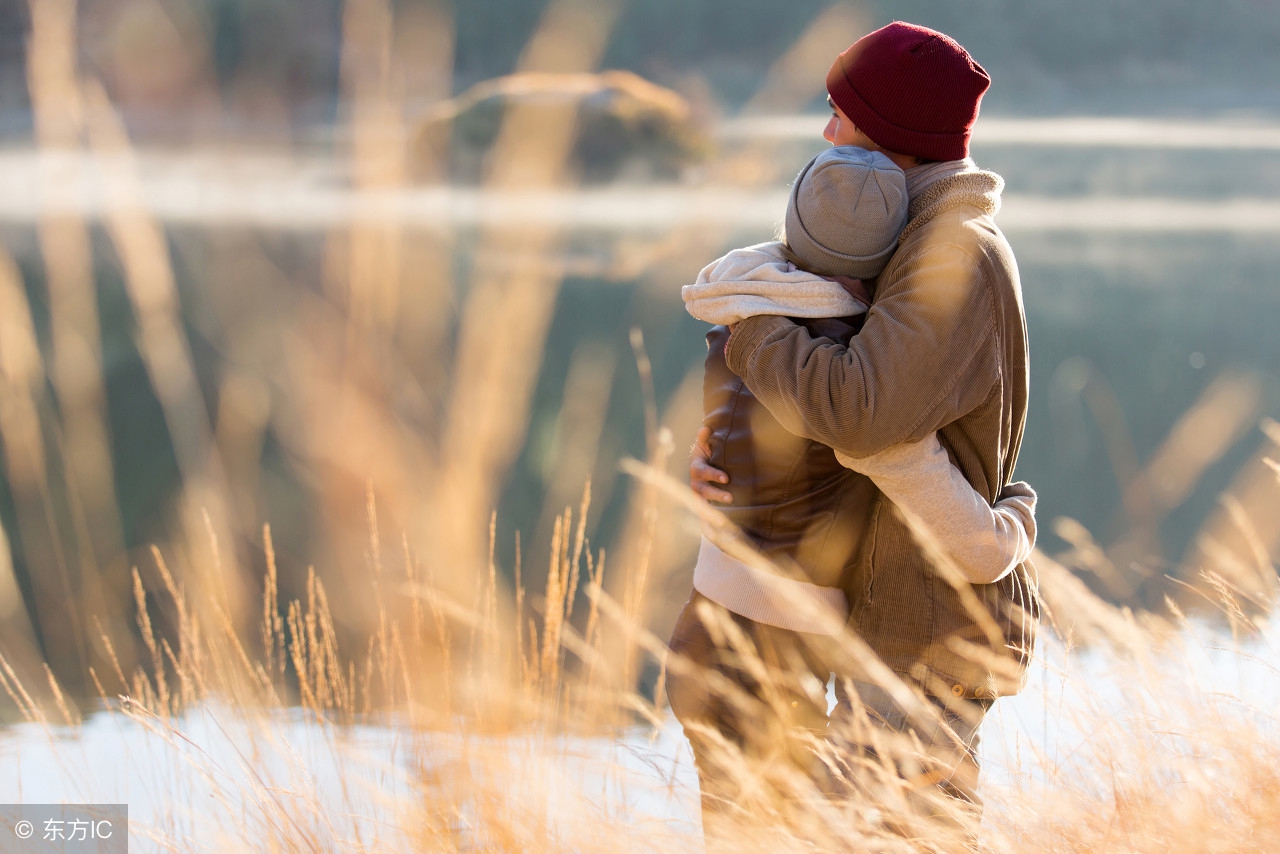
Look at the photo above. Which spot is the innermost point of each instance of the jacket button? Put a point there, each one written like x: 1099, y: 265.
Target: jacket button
x: 958, y: 690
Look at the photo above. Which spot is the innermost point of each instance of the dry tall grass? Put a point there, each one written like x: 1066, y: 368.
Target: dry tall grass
x: 502, y: 727
x: 499, y: 683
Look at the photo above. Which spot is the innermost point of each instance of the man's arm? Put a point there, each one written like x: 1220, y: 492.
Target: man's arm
x: 926, y: 356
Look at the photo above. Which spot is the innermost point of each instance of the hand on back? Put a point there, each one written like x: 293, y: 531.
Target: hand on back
x: 704, y: 477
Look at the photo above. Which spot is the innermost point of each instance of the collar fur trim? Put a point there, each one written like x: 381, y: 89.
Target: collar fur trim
x: 978, y: 189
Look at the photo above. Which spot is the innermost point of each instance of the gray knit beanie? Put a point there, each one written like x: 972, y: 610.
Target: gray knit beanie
x: 846, y: 209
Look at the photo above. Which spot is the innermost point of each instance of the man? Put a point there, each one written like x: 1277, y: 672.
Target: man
x: 943, y: 348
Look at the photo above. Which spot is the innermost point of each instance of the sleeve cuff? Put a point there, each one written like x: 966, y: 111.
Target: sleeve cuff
x: 749, y: 335
x: 1018, y: 489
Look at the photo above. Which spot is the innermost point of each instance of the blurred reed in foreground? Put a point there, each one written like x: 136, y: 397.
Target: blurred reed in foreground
x: 401, y: 382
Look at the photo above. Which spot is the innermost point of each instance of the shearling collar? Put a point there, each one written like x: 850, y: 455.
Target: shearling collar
x: 979, y: 189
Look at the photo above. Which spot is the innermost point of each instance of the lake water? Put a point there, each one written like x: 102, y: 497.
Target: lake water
x: 1147, y: 249
x: 1149, y: 259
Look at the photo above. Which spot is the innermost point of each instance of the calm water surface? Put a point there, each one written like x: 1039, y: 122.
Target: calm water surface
x: 1150, y: 278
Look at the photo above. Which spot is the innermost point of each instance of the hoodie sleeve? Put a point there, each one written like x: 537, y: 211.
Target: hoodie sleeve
x: 981, y: 542
x: 758, y: 280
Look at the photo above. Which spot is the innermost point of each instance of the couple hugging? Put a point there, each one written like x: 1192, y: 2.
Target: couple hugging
x: 865, y: 395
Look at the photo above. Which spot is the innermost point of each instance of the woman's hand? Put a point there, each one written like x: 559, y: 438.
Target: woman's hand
x: 702, y: 475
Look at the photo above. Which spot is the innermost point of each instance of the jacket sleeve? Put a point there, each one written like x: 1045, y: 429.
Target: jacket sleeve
x: 983, y: 543
x: 926, y: 356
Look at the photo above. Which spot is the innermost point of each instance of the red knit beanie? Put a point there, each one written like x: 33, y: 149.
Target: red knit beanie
x: 912, y: 90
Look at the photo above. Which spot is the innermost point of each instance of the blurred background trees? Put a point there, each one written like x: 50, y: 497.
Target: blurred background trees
x: 274, y: 57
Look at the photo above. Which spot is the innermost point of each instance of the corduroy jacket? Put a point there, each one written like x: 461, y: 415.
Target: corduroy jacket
x: 943, y: 347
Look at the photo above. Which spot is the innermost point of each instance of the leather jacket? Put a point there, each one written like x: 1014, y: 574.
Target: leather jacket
x: 791, y: 497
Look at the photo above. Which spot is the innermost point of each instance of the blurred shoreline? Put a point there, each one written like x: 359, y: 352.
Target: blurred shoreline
x: 1255, y: 133
x: 309, y: 188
